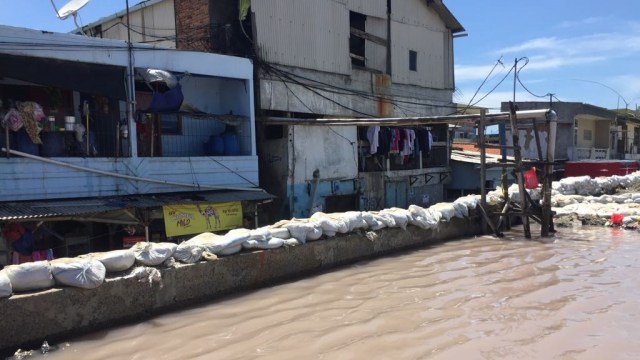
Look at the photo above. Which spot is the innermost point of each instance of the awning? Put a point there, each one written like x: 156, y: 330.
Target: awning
x: 115, y: 209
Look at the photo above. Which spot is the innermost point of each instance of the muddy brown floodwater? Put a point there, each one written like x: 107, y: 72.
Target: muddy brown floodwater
x: 576, y: 297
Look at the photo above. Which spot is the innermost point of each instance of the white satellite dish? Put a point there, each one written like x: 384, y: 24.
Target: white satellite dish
x: 70, y: 9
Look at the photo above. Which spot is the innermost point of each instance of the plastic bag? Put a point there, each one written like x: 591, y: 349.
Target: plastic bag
x: 531, y: 179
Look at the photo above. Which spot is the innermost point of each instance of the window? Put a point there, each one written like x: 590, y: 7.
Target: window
x: 357, y: 43
x: 413, y: 60
x: 588, y: 135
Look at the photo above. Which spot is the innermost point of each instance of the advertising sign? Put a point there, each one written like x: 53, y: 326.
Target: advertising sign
x: 189, y: 219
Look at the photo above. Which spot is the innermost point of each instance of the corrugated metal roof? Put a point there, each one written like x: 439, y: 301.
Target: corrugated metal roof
x: 35, y: 210
x: 474, y: 157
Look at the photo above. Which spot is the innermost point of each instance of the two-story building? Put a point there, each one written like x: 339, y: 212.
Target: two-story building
x: 328, y: 58
x: 102, y: 140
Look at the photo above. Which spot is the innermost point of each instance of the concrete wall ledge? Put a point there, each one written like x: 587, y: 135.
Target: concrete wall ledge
x: 60, y: 313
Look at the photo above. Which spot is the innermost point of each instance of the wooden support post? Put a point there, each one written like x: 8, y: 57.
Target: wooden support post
x: 483, y: 169
x: 513, y: 119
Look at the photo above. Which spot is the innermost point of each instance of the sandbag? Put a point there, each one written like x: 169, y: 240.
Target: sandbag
x: 281, y: 233
x: 257, y: 244
x: 329, y: 225
x: 114, y: 261
x: 400, y: 216
x: 30, y: 276
x: 232, y: 249
x: 5, y: 285
x: 424, y: 218
x: 386, y: 218
x: 260, y: 234
x: 85, y: 273
x: 299, y: 230
x: 446, y: 209
x: 188, y: 253
x: 152, y: 254
x: 208, y: 241
x: 354, y: 220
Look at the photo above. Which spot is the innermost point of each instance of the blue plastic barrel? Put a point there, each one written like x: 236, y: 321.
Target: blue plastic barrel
x: 231, y: 144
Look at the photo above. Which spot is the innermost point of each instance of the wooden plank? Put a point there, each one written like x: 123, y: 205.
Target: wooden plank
x: 365, y: 35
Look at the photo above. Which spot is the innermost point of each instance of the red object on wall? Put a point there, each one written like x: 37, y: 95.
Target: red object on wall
x: 129, y: 241
x: 595, y: 168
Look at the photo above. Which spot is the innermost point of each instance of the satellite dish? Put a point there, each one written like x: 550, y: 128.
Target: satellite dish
x: 70, y: 8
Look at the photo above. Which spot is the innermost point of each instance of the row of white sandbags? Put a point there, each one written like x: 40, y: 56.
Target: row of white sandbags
x: 585, y: 185
x: 89, y: 271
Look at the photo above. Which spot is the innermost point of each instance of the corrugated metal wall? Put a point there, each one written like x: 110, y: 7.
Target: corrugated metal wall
x: 377, y: 8
x: 304, y: 33
x: 416, y: 27
x: 314, y: 34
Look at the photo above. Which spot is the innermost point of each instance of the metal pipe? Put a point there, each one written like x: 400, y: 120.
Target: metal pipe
x: 128, y: 177
x: 407, y: 121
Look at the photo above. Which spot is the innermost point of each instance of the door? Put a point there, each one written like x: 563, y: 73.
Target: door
x: 396, y: 194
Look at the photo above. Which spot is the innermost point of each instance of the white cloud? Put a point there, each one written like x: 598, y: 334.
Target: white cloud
x: 586, y: 21
x: 599, y: 45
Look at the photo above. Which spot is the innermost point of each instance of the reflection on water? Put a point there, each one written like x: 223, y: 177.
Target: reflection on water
x: 480, y: 298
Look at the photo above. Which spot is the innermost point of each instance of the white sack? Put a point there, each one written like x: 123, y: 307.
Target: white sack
x: 152, y: 254
x: 188, y: 253
x: 260, y: 234
x: 232, y: 249
x: 400, y: 216
x: 116, y: 260
x: 446, y: 209
x: 281, y: 233
x: 30, y: 276
x: 269, y: 244
x: 328, y: 224
x: 85, y: 273
x: 5, y: 285
x: 354, y: 220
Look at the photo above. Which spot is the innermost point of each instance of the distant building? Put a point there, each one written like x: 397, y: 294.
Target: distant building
x: 584, y: 132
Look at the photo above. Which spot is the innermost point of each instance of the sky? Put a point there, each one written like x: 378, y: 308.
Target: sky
x: 577, y: 50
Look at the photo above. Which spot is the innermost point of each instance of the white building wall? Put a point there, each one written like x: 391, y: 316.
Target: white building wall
x: 331, y: 150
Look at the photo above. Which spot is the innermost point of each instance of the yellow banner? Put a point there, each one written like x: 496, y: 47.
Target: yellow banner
x: 195, y: 219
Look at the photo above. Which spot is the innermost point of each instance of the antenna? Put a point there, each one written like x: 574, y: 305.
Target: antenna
x: 70, y: 9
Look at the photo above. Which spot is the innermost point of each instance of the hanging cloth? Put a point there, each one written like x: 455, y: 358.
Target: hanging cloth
x: 373, y: 133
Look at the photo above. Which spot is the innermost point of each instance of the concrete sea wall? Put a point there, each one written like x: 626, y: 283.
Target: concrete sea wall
x: 56, y: 314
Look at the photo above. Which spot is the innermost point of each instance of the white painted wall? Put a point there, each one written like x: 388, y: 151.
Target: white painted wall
x: 331, y: 150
